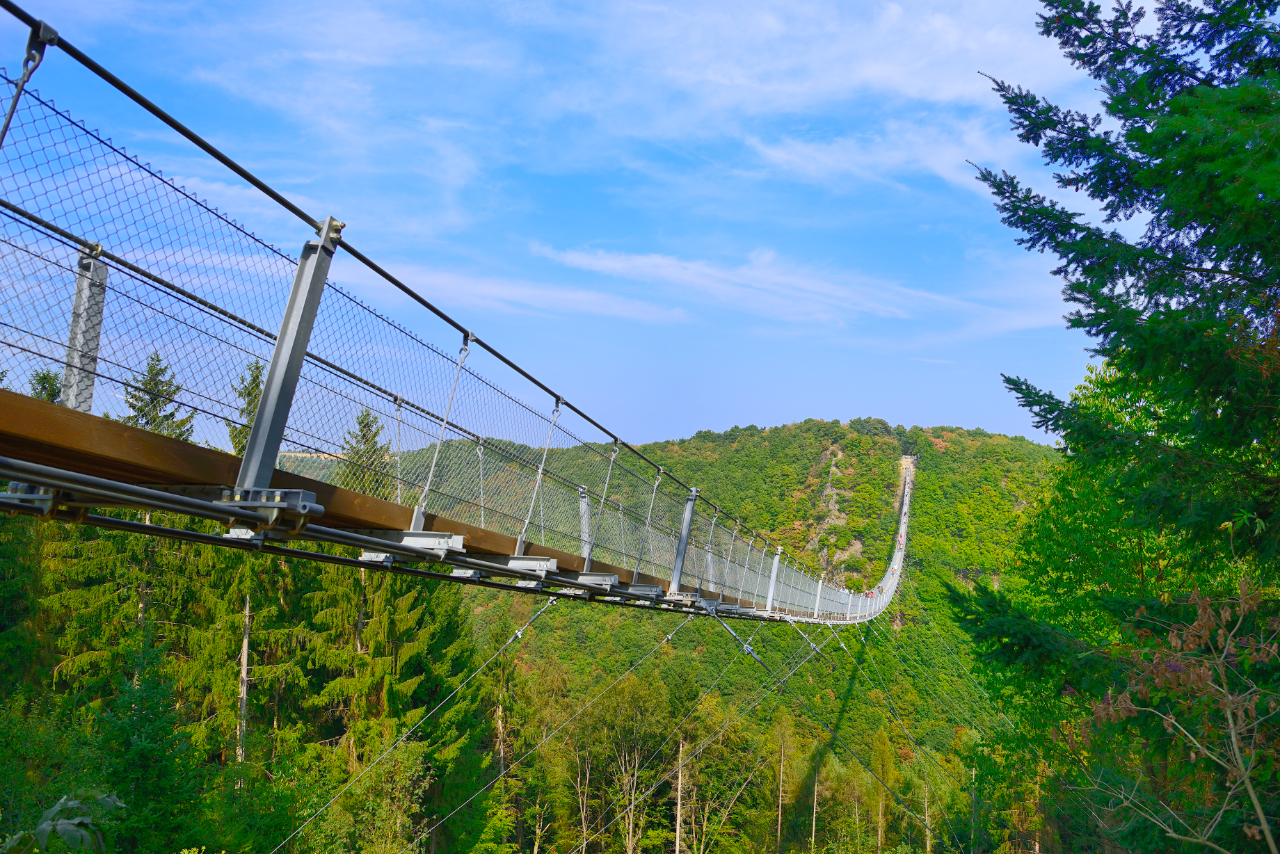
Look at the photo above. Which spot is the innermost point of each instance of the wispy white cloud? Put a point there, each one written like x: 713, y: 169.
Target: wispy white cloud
x: 1012, y: 295
x: 943, y: 146
x: 456, y: 290
x: 765, y: 285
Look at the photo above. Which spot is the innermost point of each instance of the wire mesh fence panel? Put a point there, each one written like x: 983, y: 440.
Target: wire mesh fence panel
x: 188, y: 302
x: 170, y: 333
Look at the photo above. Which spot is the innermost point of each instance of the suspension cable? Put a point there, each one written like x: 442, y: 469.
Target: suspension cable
x: 693, y: 708
x: 902, y: 724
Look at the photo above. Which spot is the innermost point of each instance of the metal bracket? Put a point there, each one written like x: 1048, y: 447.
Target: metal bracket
x: 40, y: 497
x: 602, y: 581
x: 437, y: 543
x: 297, y: 505
x: 686, y: 523
x: 649, y: 591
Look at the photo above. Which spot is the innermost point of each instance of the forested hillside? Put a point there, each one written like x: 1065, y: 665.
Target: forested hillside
x: 122, y: 673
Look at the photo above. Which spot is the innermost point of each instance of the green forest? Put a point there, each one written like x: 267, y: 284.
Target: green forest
x: 1084, y: 655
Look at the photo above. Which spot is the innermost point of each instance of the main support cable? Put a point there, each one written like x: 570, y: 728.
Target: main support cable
x: 487, y: 786
x: 519, y: 633
x: 955, y: 656
x: 986, y: 810
x: 834, y: 735
x: 709, y: 740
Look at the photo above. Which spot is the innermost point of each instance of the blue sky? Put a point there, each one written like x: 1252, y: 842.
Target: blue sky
x: 682, y: 216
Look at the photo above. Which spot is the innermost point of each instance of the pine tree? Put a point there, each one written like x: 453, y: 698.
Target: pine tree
x: 1188, y: 312
x: 153, y: 402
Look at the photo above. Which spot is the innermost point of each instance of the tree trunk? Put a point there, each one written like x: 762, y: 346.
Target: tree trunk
x: 782, y: 756
x: 502, y: 747
x: 813, y: 820
x: 928, y: 835
x: 241, y: 719
x: 880, y: 820
x: 679, y: 794
x: 360, y: 617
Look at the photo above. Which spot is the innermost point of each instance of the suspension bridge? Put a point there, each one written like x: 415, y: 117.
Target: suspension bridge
x: 271, y: 367
x: 191, y: 368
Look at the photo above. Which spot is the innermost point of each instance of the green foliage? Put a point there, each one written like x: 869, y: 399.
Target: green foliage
x: 146, y: 757
x: 153, y: 402
x: 1165, y: 498
x: 1188, y: 313
x: 130, y: 648
x: 45, y: 385
x: 75, y: 831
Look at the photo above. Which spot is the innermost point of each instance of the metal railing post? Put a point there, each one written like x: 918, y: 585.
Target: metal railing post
x: 87, y: 309
x: 756, y: 586
x: 817, y: 600
x: 773, y: 579
x: 584, y: 522
x: 677, y: 569
x: 711, y: 566
x: 286, y: 360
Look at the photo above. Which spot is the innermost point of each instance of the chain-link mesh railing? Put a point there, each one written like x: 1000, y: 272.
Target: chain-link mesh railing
x: 126, y: 295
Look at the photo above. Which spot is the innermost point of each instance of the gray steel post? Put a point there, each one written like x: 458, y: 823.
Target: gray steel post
x: 817, y: 600
x: 286, y: 361
x: 584, y: 520
x: 685, y: 524
x: 480, y: 454
x: 848, y: 611
x: 86, y: 331
x: 773, y: 580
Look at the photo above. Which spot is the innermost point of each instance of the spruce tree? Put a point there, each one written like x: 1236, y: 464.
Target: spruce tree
x: 153, y: 402
x: 248, y: 388
x: 366, y: 460
x: 1187, y: 311
x: 147, y: 762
